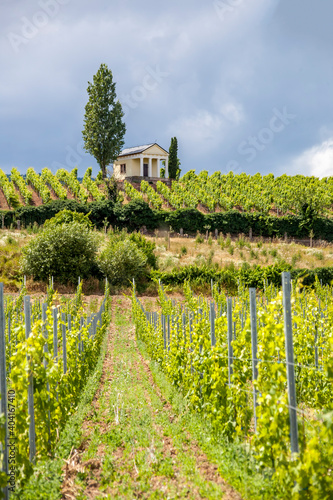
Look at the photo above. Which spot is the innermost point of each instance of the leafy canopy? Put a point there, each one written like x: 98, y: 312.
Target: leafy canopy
x: 67, y: 216
x: 104, y: 128
x: 64, y: 251
x: 174, y: 163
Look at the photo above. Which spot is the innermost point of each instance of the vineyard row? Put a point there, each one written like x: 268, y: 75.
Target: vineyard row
x: 19, y: 191
x: 260, y: 369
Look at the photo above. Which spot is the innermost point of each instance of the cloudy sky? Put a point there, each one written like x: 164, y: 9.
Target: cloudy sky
x: 245, y: 85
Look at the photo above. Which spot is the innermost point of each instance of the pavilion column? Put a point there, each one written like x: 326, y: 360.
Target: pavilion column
x: 141, y: 166
x: 166, y: 168
x: 150, y: 167
x: 158, y: 167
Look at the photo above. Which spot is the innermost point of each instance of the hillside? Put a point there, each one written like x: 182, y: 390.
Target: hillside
x: 247, y: 193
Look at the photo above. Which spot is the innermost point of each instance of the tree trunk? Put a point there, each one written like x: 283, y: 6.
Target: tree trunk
x: 103, y: 168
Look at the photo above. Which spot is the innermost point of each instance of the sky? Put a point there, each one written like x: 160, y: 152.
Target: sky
x: 244, y: 85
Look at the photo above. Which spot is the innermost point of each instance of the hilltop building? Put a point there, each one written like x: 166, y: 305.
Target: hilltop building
x: 141, y: 162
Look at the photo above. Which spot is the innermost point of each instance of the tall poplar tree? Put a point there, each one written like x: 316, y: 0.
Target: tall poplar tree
x: 174, y: 162
x: 104, y: 128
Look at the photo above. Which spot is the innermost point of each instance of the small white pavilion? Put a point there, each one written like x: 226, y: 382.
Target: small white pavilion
x: 141, y: 162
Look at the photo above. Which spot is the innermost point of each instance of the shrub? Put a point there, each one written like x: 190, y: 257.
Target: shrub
x: 240, y: 242
x: 65, y: 251
x: 147, y: 247
x: 319, y: 255
x: 199, y: 238
x: 122, y: 261
x: 67, y: 216
x: 183, y: 250
x: 273, y: 252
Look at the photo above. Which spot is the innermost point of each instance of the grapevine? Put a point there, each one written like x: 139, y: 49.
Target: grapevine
x: 39, y: 185
x: 179, y: 338
x: 20, y: 183
x: 91, y: 186
x: 54, y: 183
x: 8, y: 191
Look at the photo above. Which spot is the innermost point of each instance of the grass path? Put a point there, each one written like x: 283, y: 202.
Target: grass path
x: 134, y: 445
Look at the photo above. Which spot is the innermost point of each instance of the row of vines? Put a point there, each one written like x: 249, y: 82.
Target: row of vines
x: 18, y: 189
x: 205, y: 349
x: 50, y: 350
x: 247, y: 193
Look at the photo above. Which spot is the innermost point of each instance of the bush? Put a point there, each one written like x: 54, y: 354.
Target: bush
x: 67, y: 216
x: 147, y: 247
x: 122, y: 261
x: 65, y: 251
x: 199, y: 238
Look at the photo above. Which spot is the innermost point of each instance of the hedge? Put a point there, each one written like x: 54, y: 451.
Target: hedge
x: 255, y: 277
x: 137, y: 213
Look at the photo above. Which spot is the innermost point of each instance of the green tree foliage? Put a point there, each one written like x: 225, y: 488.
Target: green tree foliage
x: 112, y: 188
x: 64, y: 251
x: 67, y: 216
x: 174, y: 163
x: 104, y: 128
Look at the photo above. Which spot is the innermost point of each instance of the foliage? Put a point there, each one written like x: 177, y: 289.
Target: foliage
x: 103, y: 126
x: 147, y: 247
x: 17, y: 178
x: 56, y: 393
x: 69, y: 179
x: 91, y: 186
x: 67, y: 216
x: 54, y: 183
x: 256, y: 276
x: 65, y: 251
x: 137, y: 213
x: 122, y: 260
x: 154, y: 199
x: 38, y: 184
x: 8, y: 191
x: 180, y: 339
x: 173, y: 165
x: 111, y: 186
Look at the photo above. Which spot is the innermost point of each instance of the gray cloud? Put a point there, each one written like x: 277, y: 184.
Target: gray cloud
x: 220, y: 74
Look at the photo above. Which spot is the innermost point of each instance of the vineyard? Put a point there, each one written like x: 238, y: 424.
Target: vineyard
x: 246, y: 193
x: 260, y: 370
x: 38, y: 189
x: 250, y: 381
x: 48, y: 350
x: 208, y: 193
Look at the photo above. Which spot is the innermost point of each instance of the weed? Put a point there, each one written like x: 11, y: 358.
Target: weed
x: 273, y: 252
x: 210, y: 258
x: 199, y: 238
x: 240, y: 242
x: 221, y: 242
x: 319, y: 255
x: 11, y: 241
x: 183, y: 250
